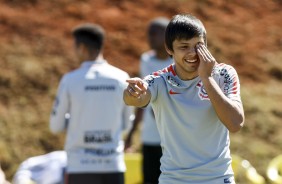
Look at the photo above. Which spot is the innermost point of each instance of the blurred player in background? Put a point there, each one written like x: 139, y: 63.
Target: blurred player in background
x: 43, y: 169
x: 92, y: 96
x: 3, y: 177
x: 154, y: 59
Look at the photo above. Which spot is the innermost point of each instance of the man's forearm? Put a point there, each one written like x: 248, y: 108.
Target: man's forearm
x: 130, y: 100
x: 229, y: 112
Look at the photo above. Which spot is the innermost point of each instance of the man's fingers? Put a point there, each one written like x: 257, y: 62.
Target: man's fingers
x: 142, y: 85
x: 207, y: 52
x: 136, y: 87
x: 132, y: 91
x: 204, y: 53
x: 132, y: 80
x: 137, y: 83
x: 201, y: 53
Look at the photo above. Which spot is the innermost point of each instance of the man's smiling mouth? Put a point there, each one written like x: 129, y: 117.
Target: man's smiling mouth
x: 190, y: 60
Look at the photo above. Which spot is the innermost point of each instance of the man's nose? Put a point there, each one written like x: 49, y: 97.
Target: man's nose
x: 191, y: 52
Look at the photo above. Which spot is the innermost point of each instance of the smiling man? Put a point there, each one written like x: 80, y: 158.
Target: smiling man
x: 196, y: 102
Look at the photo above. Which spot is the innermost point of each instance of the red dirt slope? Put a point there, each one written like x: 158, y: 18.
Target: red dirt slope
x: 36, y: 49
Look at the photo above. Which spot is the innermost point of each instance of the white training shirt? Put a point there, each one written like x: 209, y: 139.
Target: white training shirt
x: 42, y: 169
x: 93, y: 97
x: 194, y: 142
x: 149, y: 64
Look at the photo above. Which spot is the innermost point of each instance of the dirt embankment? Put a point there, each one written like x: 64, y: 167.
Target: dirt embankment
x: 36, y: 49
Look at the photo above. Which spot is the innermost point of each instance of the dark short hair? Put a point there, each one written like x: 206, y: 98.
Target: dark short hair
x: 91, y: 35
x: 159, y: 22
x: 184, y: 26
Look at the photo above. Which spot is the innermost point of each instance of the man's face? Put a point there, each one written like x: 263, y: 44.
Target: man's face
x: 185, y: 57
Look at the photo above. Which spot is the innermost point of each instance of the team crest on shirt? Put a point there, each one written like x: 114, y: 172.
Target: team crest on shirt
x: 202, y: 92
x: 172, y: 81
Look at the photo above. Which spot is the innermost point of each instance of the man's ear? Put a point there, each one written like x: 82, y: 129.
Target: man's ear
x: 168, y: 50
x: 84, y: 49
x: 80, y: 48
x: 82, y: 52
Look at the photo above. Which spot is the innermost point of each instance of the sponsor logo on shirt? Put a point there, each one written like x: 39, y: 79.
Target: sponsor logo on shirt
x: 229, y: 82
x: 229, y: 180
x: 101, y: 136
x: 100, y: 88
x: 95, y: 161
x: 100, y: 152
x: 227, y: 79
x: 56, y: 104
x: 150, y: 79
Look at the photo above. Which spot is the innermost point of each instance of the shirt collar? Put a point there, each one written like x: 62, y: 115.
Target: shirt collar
x: 88, y: 64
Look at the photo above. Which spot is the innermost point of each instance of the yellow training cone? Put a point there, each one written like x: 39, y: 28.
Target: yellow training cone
x: 133, y: 174
x: 242, y: 167
x: 274, y: 170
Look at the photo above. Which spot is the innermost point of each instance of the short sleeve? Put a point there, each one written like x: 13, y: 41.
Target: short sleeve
x: 229, y: 82
x: 60, y: 108
x: 151, y: 80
